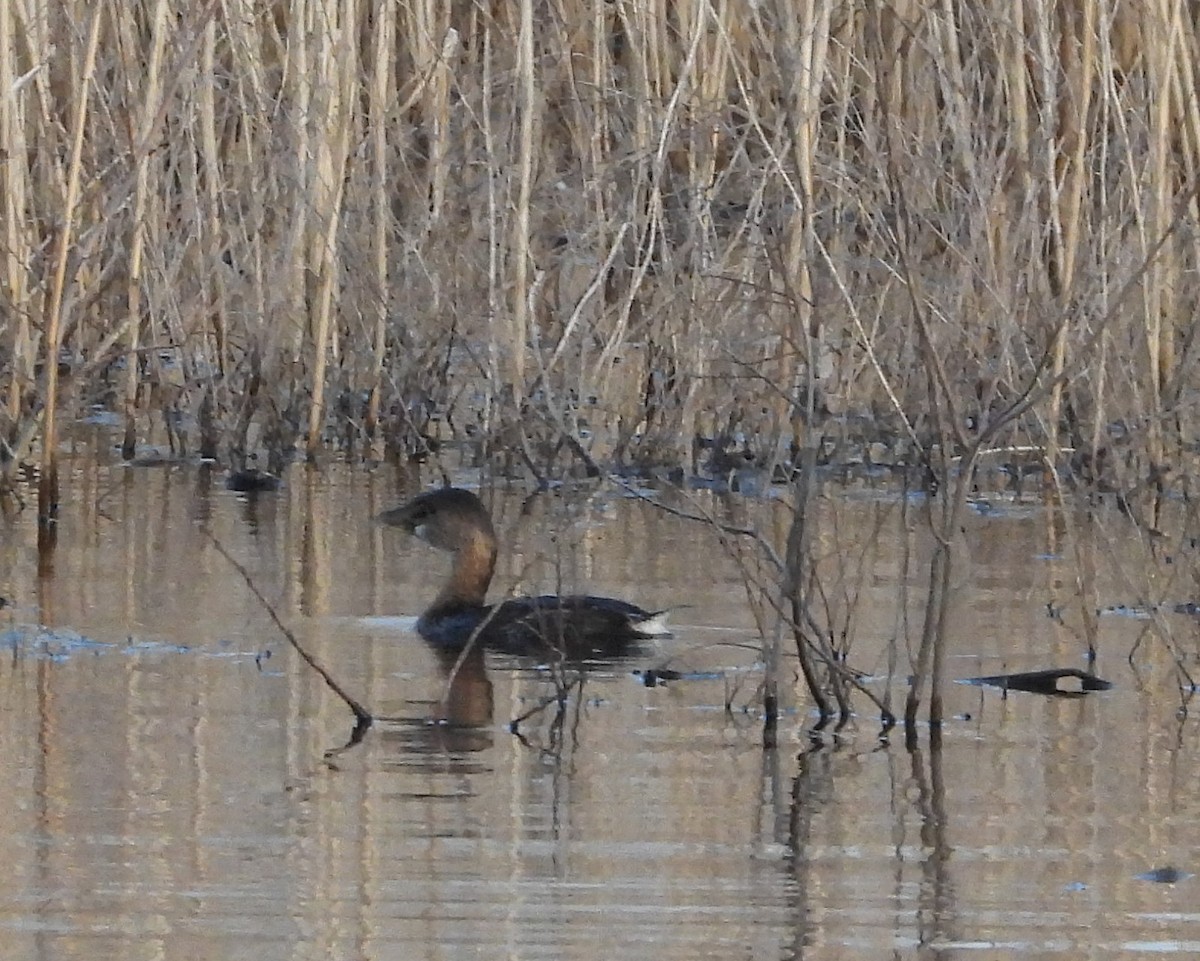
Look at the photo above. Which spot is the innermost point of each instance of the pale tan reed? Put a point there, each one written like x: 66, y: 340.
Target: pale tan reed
x: 48, y: 487
x: 620, y: 226
x: 18, y: 238
x: 147, y: 97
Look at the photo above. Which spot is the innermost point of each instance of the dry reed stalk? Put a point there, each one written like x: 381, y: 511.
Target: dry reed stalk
x: 149, y: 96
x: 1174, y: 366
x: 304, y: 241
x: 338, y: 68
x: 597, y: 115
x: 265, y: 284
x: 1016, y: 77
x: 384, y: 17
x: 19, y: 241
x: 1069, y: 146
x: 577, y: 92
x: 432, y: 46
x: 519, y: 241
x: 807, y: 336
x: 710, y: 150
x: 48, y: 477
x: 22, y: 100
x: 216, y: 298
x: 495, y: 371
x: 1164, y: 29
x: 647, y: 211
x: 323, y: 201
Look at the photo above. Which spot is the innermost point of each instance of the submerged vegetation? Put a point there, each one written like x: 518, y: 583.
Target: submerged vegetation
x: 576, y: 236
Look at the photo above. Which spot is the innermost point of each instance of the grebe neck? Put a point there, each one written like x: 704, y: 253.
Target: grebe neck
x: 474, y: 564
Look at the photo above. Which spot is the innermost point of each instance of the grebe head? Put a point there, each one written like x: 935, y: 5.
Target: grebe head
x: 450, y: 519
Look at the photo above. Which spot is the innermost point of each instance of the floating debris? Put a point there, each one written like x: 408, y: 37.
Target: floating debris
x: 1137, y: 611
x: 653, y: 677
x: 1144, y: 611
x: 61, y: 644
x: 1056, y: 682
x: 154, y: 460
x: 50, y: 643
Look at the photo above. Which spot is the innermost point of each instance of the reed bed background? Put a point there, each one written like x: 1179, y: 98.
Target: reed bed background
x: 603, y: 232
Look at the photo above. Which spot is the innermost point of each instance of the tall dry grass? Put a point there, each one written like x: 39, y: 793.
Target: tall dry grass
x: 605, y: 229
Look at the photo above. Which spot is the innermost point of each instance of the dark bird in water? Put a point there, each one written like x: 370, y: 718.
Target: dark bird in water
x: 576, y: 627
x: 252, y: 481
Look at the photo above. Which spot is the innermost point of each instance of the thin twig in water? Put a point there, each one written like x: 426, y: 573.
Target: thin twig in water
x: 362, y: 716
x: 559, y: 698
x: 768, y: 551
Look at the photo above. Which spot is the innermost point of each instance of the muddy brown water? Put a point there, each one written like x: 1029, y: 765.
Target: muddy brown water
x: 166, y: 792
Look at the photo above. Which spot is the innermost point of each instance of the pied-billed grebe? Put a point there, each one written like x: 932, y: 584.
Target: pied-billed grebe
x: 576, y: 626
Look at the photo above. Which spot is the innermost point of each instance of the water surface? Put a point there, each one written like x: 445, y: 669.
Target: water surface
x: 168, y: 793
